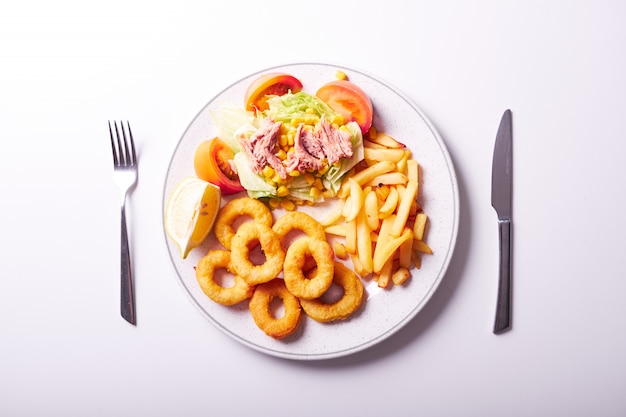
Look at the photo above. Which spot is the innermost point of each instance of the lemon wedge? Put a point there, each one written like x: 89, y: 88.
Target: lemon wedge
x: 191, y: 212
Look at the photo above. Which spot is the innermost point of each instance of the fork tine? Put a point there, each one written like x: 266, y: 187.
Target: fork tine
x: 126, y: 162
x: 115, y: 160
x: 133, y: 156
x: 121, y: 145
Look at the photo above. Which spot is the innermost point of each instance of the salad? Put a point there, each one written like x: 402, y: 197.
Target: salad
x: 284, y: 145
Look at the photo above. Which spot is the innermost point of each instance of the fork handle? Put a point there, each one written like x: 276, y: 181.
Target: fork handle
x: 127, y: 295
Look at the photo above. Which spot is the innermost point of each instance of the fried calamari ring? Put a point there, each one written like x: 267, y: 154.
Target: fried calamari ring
x: 297, y: 220
x: 261, y: 309
x: 244, y: 206
x: 342, y: 308
x: 247, y: 237
x: 206, y: 274
x: 309, y: 287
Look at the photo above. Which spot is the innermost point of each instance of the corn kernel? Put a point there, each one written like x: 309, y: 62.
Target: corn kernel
x: 294, y: 173
x: 281, y: 154
x: 338, y: 120
x: 288, y: 205
x: 309, y: 110
x: 315, y: 192
x: 296, y: 121
x: 274, y: 203
x: 312, y: 120
x: 318, y: 184
x: 324, y: 170
x: 282, y: 191
x: 283, y: 140
x: 309, y: 178
x: 276, y: 178
x: 268, y: 171
x: 340, y: 75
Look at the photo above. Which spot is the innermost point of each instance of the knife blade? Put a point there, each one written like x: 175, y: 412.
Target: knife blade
x: 501, y: 200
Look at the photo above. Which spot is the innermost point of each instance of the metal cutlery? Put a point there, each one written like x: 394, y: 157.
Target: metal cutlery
x: 125, y: 176
x: 501, y: 200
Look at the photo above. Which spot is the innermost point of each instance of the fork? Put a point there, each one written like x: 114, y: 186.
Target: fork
x: 125, y: 176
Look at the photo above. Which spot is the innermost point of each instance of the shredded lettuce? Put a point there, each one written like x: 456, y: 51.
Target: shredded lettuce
x: 232, y: 122
x: 255, y: 184
x: 290, y: 106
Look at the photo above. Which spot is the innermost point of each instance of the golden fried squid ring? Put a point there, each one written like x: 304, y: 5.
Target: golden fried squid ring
x: 261, y: 309
x: 297, y: 220
x: 247, y: 237
x: 342, y: 308
x: 205, y: 274
x: 301, y: 286
x: 244, y: 206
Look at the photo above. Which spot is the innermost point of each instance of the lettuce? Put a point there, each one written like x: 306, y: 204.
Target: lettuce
x: 290, y: 106
x: 232, y: 122
x: 255, y: 184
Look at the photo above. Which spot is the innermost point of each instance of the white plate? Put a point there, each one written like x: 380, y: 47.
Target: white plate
x: 385, y: 311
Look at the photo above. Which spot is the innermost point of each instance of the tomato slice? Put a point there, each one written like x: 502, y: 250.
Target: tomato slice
x: 349, y: 100
x: 274, y: 83
x: 212, y: 164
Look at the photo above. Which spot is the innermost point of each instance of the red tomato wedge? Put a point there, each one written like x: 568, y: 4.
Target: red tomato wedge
x: 212, y: 164
x: 350, y: 101
x: 274, y: 83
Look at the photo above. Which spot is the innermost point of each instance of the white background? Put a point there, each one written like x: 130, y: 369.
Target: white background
x: 66, y: 67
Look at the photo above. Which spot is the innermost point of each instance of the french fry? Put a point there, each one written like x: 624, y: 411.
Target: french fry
x: 383, y: 233
x: 382, y: 192
x: 351, y: 237
x: 406, y: 249
x: 417, y: 260
x: 390, y: 204
x: 386, y: 140
x: 383, y: 253
x: 419, y: 226
x: 412, y: 170
x: 372, y: 145
x: 400, y: 276
x: 340, y: 250
x: 404, y: 208
x: 371, y: 209
x: 334, y: 215
x: 354, y: 203
x: 401, y: 190
x: 385, y: 274
x: 401, y: 165
x: 389, y: 178
x: 356, y: 263
x: 386, y: 154
x: 421, y: 246
x: 375, y: 170
x: 336, y: 229
x: 364, y: 244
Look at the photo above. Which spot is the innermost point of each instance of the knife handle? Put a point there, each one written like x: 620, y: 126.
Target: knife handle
x: 503, y: 306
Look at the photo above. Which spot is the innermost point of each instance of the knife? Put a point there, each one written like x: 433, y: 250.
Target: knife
x: 501, y: 184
